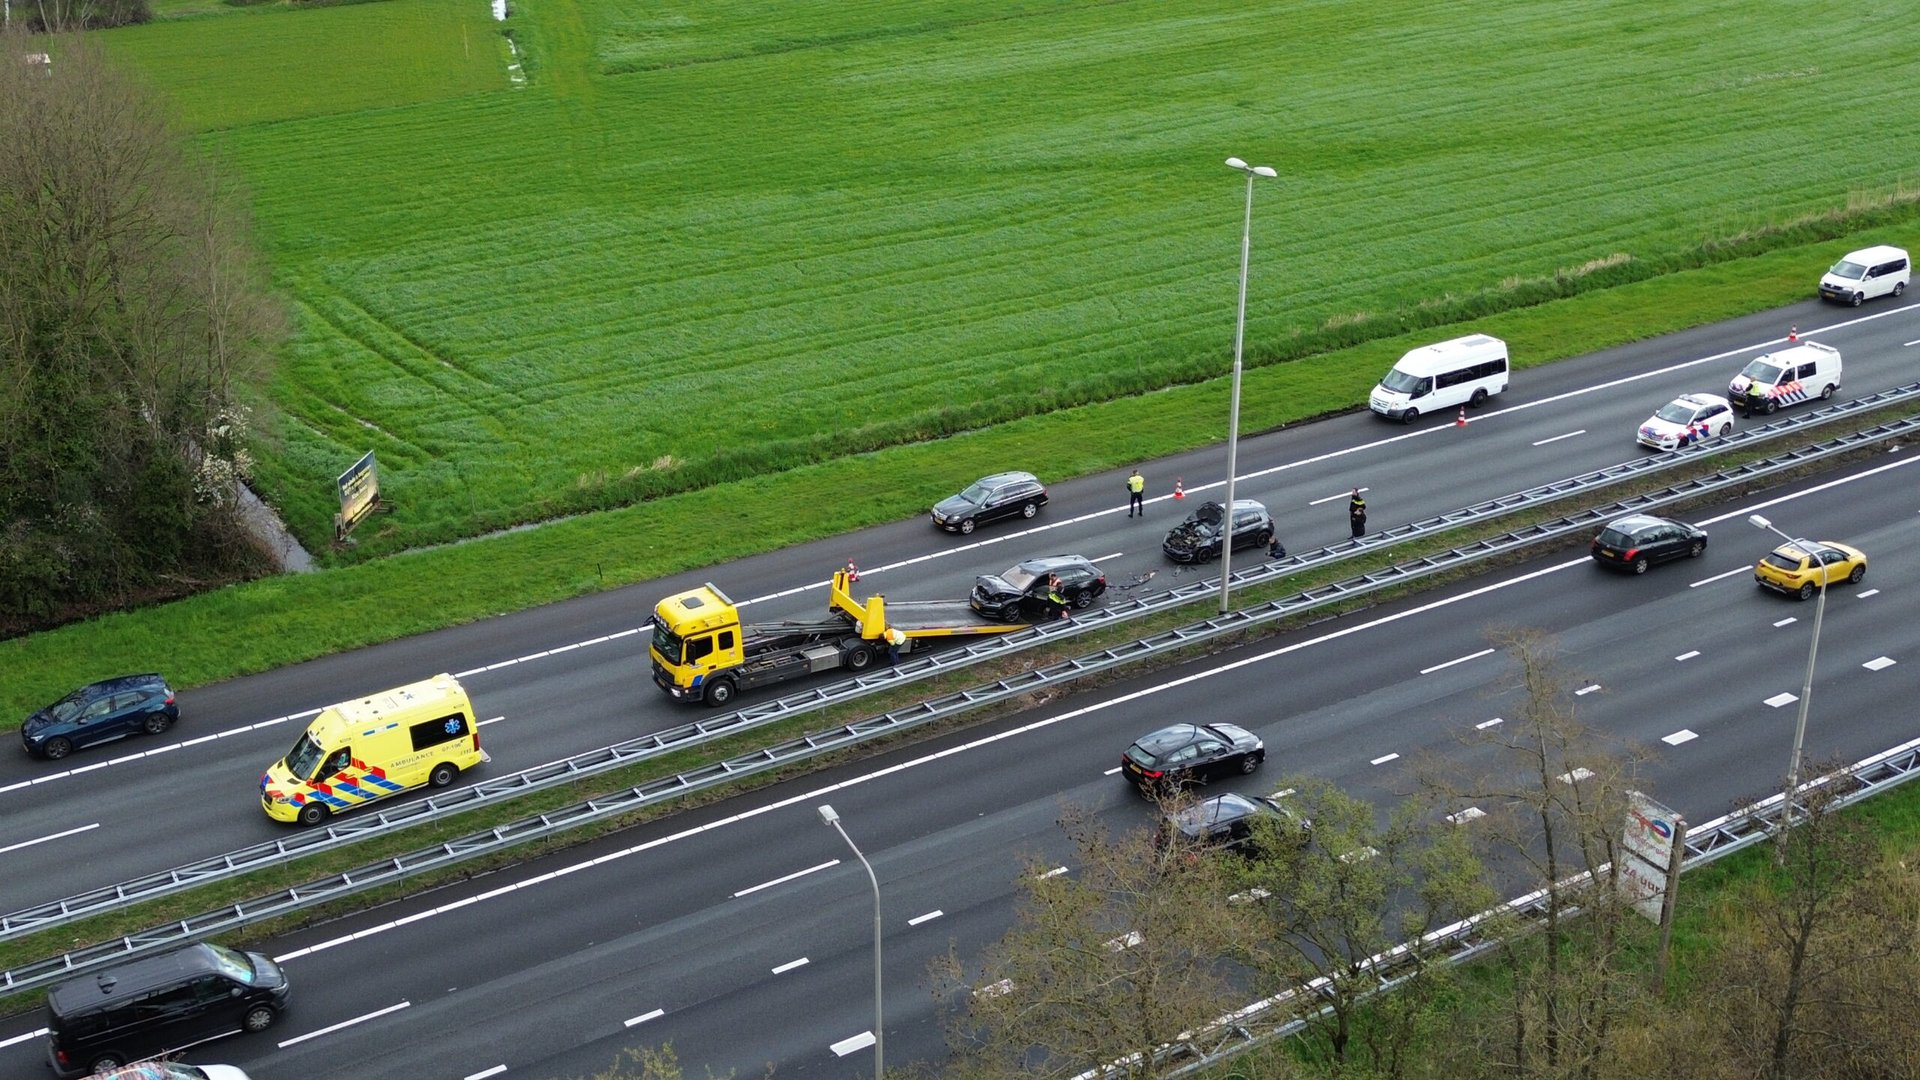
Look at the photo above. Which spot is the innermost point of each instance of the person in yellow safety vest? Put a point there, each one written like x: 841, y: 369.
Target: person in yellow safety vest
x: 895, y: 638
x: 1058, y: 602
x: 1135, y: 485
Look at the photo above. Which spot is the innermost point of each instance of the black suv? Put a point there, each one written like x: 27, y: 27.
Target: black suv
x: 158, y: 1005
x: 1637, y: 541
x: 1198, y: 537
x: 102, y: 712
x: 1183, y: 754
x: 1020, y: 593
x: 991, y: 498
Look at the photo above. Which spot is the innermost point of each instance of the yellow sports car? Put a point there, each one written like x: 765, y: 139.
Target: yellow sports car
x: 1800, y: 567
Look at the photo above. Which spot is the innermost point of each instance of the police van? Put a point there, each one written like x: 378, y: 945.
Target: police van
x: 360, y: 751
x: 1464, y: 371
x: 1787, y: 377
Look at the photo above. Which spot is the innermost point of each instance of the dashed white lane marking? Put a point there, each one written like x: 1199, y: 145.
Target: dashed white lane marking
x: 787, y: 878
x: 790, y: 965
x: 644, y: 1017
x: 1466, y: 815
x: 1485, y: 724
x: 1721, y: 577
x: 484, y: 1073
x: 1788, y: 621
x: 1874, y: 664
x: 490, y: 720
x: 1557, y: 438
x: 1678, y: 737
x: 84, y: 828
x: 1384, y: 760
x: 1055, y: 872
x: 1125, y: 941
x: 1111, y: 771
x: 1585, y: 690
x: 1579, y: 774
x: 544, y: 653
x: 28, y: 1037
x: 1909, y: 344
x: 330, y: 1029
x: 857, y: 1042
x: 1348, y: 494
x: 992, y: 989
x: 1780, y: 699
x: 1864, y: 595
x: 928, y: 917
x: 1688, y: 655
x: 1460, y: 660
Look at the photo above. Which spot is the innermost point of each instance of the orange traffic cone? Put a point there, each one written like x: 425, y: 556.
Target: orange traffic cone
x: 1793, y: 334
x: 1179, y: 488
x: 1462, y: 422
x: 853, y: 572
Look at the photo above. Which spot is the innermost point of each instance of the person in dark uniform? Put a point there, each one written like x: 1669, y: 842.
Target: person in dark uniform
x: 1136, y: 484
x: 1357, y: 514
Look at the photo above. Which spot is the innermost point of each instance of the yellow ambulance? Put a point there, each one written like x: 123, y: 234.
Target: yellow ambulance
x: 359, y: 751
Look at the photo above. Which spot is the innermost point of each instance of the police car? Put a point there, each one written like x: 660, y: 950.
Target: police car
x: 1687, y: 419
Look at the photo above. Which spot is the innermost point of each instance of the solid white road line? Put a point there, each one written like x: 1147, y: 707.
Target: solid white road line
x: 848, y: 1046
x: 330, y: 1029
x: 1557, y: 438
x: 81, y: 829
x: 790, y: 965
x: 789, y: 877
x: 1461, y: 660
x: 643, y: 1018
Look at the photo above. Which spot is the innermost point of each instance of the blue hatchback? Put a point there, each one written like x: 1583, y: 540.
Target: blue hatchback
x: 100, y: 712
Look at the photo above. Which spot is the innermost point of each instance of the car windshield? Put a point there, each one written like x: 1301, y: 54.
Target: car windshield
x: 666, y: 642
x: 305, y: 757
x: 976, y: 493
x: 1402, y: 383
x: 67, y: 708
x: 1762, y: 372
x: 1020, y: 577
x: 1845, y: 269
x: 1676, y: 412
x: 233, y: 963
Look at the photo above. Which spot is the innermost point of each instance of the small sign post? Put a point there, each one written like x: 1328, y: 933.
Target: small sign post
x: 1649, y: 871
x: 359, y: 494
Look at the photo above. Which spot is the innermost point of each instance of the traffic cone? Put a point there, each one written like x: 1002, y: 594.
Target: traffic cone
x: 1462, y: 422
x: 853, y: 572
x: 1793, y: 334
x: 1179, y: 488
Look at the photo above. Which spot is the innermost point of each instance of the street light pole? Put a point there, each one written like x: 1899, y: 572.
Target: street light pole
x: 828, y: 815
x: 1233, y: 415
x: 1806, y: 687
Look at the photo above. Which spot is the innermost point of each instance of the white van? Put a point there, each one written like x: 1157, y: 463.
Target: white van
x: 1867, y: 273
x: 1464, y: 371
x: 1787, y: 377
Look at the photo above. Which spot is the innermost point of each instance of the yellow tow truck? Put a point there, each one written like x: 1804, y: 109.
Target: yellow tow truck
x: 702, y: 652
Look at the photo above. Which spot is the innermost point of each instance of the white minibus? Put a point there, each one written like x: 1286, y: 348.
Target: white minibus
x: 1464, y: 371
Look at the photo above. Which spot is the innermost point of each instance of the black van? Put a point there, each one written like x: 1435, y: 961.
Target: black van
x: 159, y: 1005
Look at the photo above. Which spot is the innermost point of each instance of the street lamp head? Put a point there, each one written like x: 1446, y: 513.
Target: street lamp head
x: 1235, y: 163
x: 827, y: 813
x: 1759, y: 522
x: 1264, y: 170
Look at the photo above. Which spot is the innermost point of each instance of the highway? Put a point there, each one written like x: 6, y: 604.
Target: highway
x: 677, y: 931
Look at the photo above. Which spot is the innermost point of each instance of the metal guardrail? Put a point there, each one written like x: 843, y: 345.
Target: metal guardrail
x: 382, y: 820
x: 1244, y: 1028
x: 397, y: 868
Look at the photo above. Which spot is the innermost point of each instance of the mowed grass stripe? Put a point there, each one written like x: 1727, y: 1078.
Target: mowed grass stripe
x: 952, y: 215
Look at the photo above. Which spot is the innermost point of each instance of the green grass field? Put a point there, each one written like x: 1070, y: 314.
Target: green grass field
x: 711, y: 240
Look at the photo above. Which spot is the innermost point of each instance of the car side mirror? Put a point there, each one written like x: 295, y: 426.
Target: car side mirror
x: 235, y: 991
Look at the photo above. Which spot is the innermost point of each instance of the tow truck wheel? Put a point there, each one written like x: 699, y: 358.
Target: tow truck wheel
x: 719, y: 692
x: 312, y: 814
x: 858, y: 658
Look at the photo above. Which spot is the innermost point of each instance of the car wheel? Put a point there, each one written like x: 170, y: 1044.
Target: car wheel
x: 858, y: 658
x: 719, y: 692
x: 1083, y: 600
x: 1410, y: 416
x: 1726, y: 430
x: 1698, y: 549
x: 1828, y: 392
x: 1640, y: 565
x: 966, y: 527
x: 1248, y: 764
x: 107, y: 1063
x: 1858, y: 573
x: 56, y: 748
x: 1478, y: 399
x: 157, y: 723
x: 442, y: 774
x: 1769, y: 408
x: 1898, y: 288
x: 1029, y: 510
x: 311, y: 814
x: 258, y: 1018
x: 1857, y: 297
x: 1806, y: 591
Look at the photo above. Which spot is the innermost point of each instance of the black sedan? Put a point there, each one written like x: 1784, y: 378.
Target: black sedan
x: 1020, y: 593
x: 1198, y: 537
x: 98, y: 713
x: 1233, y: 822
x: 1191, y: 754
x: 990, y: 498
x: 1637, y: 541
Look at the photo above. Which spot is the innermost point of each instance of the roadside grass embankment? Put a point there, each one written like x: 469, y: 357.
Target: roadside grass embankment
x: 183, y: 905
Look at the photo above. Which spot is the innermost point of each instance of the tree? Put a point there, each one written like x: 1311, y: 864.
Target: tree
x: 134, y: 327
x: 1342, y: 890
x: 1104, y: 966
